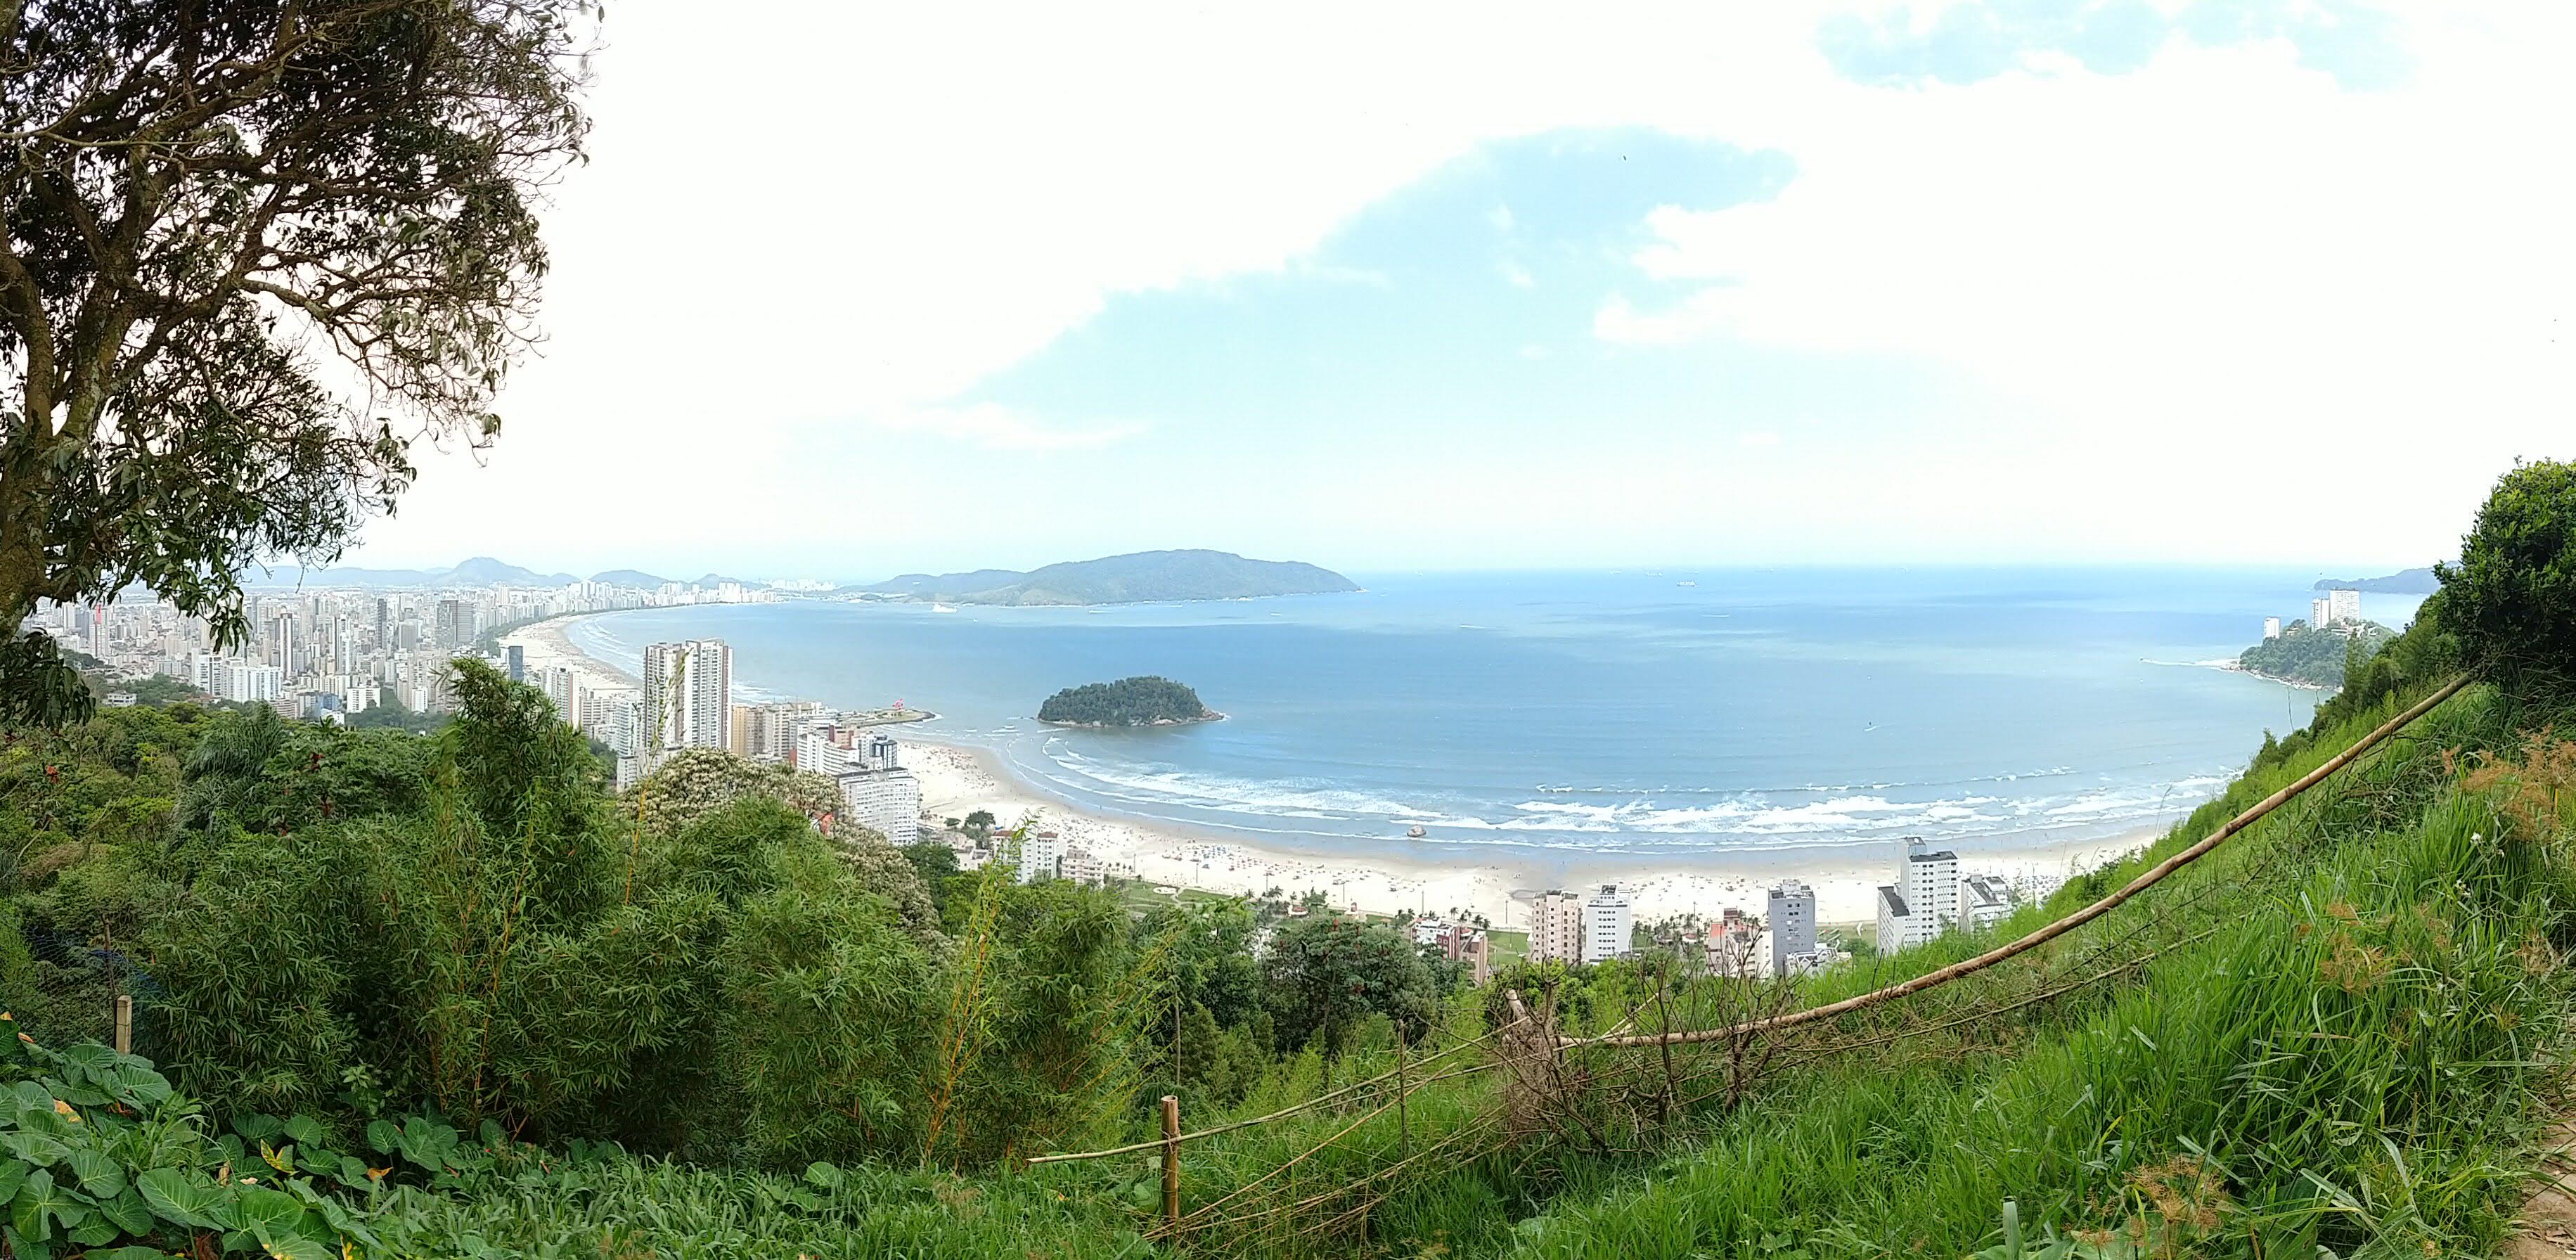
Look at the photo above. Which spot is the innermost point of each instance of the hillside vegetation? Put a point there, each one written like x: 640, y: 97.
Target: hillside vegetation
x: 2312, y: 657
x: 1140, y: 701
x: 403, y: 995
x: 1143, y: 577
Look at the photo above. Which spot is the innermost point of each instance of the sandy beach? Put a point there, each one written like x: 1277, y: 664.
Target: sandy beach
x: 958, y: 780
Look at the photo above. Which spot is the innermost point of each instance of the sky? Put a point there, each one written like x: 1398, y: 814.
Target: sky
x: 851, y: 290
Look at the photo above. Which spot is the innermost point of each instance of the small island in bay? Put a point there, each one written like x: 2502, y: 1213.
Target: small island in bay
x: 1140, y: 701
x: 2312, y: 656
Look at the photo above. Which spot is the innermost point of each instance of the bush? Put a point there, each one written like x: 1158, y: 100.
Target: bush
x: 2512, y: 597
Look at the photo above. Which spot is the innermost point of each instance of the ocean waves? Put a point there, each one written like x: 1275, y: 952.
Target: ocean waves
x: 1661, y: 820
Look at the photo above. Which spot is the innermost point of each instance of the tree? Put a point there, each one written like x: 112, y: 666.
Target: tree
x: 979, y: 824
x: 1323, y: 976
x: 2511, y: 600
x: 197, y: 192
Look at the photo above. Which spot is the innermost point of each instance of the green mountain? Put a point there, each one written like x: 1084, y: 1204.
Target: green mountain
x: 628, y: 577
x: 2403, y: 582
x: 1145, y: 577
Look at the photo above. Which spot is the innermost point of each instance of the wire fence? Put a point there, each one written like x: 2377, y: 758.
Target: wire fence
x: 1620, y: 1092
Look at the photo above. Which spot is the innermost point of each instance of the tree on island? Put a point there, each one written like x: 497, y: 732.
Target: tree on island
x: 202, y: 196
x: 1140, y: 701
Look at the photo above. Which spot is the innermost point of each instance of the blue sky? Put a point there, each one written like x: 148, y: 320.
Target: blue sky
x: 1931, y: 283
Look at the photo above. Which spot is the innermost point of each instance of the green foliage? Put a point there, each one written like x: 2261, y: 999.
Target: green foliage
x: 1140, y: 701
x: 2316, y: 657
x: 2512, y: 597
x: 1324, y: 975
x: 168, y: 277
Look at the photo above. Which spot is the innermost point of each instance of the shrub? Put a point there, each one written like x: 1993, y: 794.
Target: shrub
x: 2512, y: 597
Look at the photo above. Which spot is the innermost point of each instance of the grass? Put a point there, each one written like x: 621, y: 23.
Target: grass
x: 2338, y: 1034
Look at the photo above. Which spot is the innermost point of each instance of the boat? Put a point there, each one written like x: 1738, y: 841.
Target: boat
x: 1415, y: 832
x: 941, y: 608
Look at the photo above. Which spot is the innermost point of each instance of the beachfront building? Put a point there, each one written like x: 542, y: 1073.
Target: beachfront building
x: 767, y: 732
x: 688, y: 695
x: 1605, y: 925
x: 1895, y: 920
x: 1983, y: 901
x: 1556, y: 928
x: 1791, y: 913
x: 2271, y: 628
x: 1082, y: 866
x: 886, y: 801
x: 1041, y: 857
x: 1931, y: 882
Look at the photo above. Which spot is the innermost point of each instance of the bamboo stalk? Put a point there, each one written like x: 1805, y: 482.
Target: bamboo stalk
x: 1171, y: 1161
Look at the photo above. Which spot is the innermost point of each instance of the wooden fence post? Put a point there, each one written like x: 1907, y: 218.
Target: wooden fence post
x: 1171, y: 1161
x: 124, y: 1023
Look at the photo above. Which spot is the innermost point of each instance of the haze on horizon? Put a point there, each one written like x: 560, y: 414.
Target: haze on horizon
x: 851, y: 291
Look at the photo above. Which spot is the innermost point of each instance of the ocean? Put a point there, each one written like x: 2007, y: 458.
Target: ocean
x: 1592, y: 721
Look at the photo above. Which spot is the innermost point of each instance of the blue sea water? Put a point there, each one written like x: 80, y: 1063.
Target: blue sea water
x: 1592, y: 720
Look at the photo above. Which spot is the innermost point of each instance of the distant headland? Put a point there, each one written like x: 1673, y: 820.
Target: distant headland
x: 1144, y: 577
x: 1140, y: 701
x: 2403, y: 582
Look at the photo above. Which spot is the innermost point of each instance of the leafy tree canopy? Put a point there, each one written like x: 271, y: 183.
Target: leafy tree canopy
x: 206, y: 203
x: 2511, y: 599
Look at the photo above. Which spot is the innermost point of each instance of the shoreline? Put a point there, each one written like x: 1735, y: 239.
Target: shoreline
x: 958, y: 779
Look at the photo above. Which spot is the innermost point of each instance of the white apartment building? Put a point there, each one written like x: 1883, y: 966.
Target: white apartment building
x: 688, y: 695
x: 2271, y: 628
x: 1041, y: 857
x: 1082, y: 866
x: 1605, y: 925
x: 1983, y: 900
x: 244, y: 681
x: 1556, y: 928
x: 887, y: 801
x: 1924, y: 900
x: 2343, y: 606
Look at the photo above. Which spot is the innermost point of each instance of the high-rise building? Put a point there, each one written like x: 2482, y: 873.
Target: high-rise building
x: 885, y: 801
x: 1923, y: 902
x: 2271, y: 628
x: 2343, y: 606
x: 1931, y: 884
x: 1791, y: 915
x: 1605, y: 925
x: 516, y: 657
x: 454, y: 627
x: 688, y: 696
x: 1556, y: 928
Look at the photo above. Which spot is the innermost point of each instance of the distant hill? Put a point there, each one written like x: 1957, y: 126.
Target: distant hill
x: 479, y: 571
x: 2403, y: 582
x: 628, y: 577
x: 1142, y: 578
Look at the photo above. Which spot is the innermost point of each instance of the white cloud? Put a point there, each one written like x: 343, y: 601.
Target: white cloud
x: 2220, y: 253
x: 997, y: 428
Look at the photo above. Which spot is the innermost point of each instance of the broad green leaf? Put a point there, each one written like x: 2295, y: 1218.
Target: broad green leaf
x: 825, y: 1175
x: 96, y: 1231
x: 100, y: 1177
x: 180, y: 1199
x: 286, y: 1245
x: 260, y: 1206
x: 257, y: 1128
x: 383, y: 1137
x: 25, y: 1248
x: 35, y: 1148
x: 13, y: 1173
x: 128, y: 1253
x: 90, y: 1059
x: 40, y: 1204
x: 353, y: 1171
x: 129, y: 1211
x: 306, y: 1131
